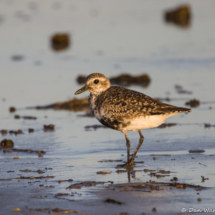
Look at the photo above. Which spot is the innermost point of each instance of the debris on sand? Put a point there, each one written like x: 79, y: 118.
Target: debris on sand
x: 29, y: 170
x: 180, y: 16
x: 87, y: 184
x: 208, y: 125
x: 30, y: 130
x: 152, y: 185
x: 17, y: 57
x: 16, y: 209
x: 160, y: 174
x: 113, y: 201
x: 103, y: 172
x: 101, y: 161
x: 7, y: 143
x: 127, y: 80
x: 121, y: 171
x: 154, y: 209
x: 16, y: 132
x: 48, y: 127
x: 12, y: 109
x: 61, y: 194
x: 54, y: 211
x: 193, y: 103
x: 124, y: 80
x: 174, y: 179
x: 164, y: 125
x: 87, y: 114
x: 73, y: 105
x: 62, y: 211
x: 69, y: 180
x: 26, y: 150
x: 32, y: 177
x: 94, y: 127
x: 180, y: 90
x: 25, y: 117
x: 81, y: 79
x: 196, y: 151
x: 60, y: 42
x: 203, y: 178
x: 3, y: 131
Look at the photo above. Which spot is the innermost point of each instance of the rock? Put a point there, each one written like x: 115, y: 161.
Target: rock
x: 7, y: 143
x: 60, y: 42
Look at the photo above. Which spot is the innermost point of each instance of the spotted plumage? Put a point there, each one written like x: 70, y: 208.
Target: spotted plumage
x: 125, y: 110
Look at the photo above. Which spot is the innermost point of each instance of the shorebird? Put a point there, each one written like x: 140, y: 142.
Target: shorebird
x: 125, y: 110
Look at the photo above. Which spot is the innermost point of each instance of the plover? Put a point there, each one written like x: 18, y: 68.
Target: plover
x: 125, y: 110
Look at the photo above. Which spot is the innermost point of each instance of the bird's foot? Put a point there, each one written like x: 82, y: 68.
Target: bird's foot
x: 126, y: 165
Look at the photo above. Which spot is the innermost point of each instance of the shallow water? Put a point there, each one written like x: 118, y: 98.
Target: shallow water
x: 110, y: 38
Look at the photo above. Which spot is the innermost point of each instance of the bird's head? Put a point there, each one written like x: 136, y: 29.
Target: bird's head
x: 96, y: 83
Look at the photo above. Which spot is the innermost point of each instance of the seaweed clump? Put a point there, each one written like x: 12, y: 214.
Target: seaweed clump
x: 60, y: 42
x: 7, y: 143
x: 73, y: 105
x: 180, y: 16
x: 193, y: 103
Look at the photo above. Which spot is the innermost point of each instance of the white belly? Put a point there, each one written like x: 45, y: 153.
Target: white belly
x: 146, y: 122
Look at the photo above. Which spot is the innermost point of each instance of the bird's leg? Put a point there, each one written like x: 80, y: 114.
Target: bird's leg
x: 140, y: 143
x: 128, y: 146
x: 128, y: 164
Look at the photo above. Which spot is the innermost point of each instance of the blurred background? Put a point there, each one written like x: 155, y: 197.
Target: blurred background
x: 165, y: 49
x: 110, y: 37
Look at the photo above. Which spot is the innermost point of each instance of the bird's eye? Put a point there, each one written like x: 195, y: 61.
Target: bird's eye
x: 96, y: 81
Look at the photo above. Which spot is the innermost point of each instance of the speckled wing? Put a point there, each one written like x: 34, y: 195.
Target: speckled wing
x: 117, y: 105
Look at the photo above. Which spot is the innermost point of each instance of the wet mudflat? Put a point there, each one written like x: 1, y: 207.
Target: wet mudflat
x: 62, y: 160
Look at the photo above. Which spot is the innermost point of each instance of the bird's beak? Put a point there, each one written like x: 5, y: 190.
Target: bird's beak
x: 83, y: 89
